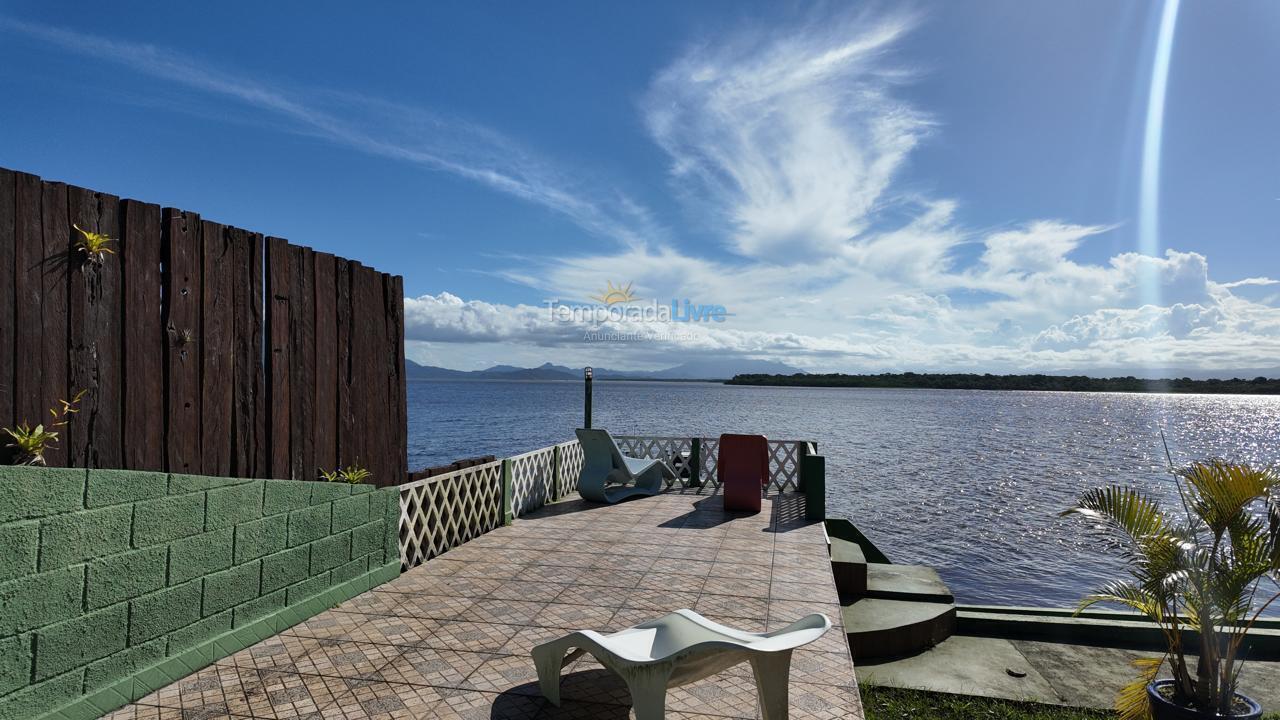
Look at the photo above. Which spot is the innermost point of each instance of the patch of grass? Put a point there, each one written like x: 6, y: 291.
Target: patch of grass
x: 885, y: 703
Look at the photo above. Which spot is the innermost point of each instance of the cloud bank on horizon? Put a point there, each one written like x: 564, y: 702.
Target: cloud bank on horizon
x: 788, y: 144
x: 792, y: 140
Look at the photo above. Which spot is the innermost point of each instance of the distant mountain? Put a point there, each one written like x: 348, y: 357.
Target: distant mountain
x: 703, y: 369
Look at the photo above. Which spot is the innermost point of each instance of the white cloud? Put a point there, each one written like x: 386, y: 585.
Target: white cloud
x: 791, y: 138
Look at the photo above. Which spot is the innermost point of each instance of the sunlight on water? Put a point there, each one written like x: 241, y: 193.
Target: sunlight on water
x: 970, y: 482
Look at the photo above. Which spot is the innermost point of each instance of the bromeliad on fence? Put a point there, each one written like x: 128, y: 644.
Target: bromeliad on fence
x: 440, y: 512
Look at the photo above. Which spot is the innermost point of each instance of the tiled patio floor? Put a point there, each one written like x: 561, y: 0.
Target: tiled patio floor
x: 451, y: 638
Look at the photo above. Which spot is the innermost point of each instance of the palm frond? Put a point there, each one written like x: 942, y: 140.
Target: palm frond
x: 1132, y: 702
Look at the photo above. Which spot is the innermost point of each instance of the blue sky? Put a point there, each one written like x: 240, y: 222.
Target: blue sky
x: 866, y: 187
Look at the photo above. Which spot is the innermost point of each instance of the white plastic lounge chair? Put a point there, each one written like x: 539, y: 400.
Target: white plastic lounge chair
x: 608, y: 476
x: 678, y: 649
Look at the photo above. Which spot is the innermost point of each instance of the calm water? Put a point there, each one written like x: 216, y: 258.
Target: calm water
x: 969, y: 482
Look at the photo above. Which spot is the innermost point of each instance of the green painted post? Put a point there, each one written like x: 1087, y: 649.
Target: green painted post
x: 695, y: 462
x: 554, y: 493
x: 508, y: 516
x: 814, y: 470
x: 804, y: 453
x: 586, y: 412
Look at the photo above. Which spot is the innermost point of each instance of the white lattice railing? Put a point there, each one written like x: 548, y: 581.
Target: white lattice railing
x: 533, y: 479
x: 676, y: 451
x: 569, y: 467
x: 444, y: 511
x: 784, y: 457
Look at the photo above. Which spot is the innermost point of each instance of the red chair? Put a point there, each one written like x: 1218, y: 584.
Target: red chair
x: 742, y: 470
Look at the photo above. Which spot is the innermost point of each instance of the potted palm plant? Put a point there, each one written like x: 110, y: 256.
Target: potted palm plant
x: 1204, y: 576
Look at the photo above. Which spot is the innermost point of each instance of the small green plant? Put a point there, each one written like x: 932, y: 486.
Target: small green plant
x: 33, y: 442
x: 353, y: 474
x: 93, y: 245
x: 1211, y: 569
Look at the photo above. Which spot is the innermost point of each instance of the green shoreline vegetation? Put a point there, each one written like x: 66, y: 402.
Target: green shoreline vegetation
x: 1056, y: 383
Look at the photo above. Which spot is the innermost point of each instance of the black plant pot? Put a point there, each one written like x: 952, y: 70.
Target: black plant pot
x: 1164, y: 709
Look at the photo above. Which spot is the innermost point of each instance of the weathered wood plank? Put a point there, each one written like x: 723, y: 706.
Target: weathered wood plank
x: 28, y: 339
x: 94, y: 437
x: 55, y: 233
x: 346, y: 417
x: 257, y: 345
x: 326, y: 369
x: 279, y: 405
x: 217, y: 350
x: 144, y: 337
x: 8, y: 283
x: 248, y: 418
x: 183, y: 338
x: 303, y: 363
x: 401, y: 430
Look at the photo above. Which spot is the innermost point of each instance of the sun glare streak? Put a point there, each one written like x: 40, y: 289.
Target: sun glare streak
x: 1153, y: 134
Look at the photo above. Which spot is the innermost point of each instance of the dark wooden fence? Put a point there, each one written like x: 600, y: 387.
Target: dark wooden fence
x: 204, y: 348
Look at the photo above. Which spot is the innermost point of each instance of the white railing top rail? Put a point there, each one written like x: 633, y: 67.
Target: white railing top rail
x: 442, y: 477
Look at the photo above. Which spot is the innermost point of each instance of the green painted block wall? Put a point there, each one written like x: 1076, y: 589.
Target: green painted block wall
x: 110, y: 576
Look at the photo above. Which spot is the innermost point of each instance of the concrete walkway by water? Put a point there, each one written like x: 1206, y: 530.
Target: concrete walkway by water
x: 451, y: 638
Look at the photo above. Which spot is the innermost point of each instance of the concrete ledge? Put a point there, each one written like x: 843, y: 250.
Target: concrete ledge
x: 849, y: 566
x: 1101, y: 629
x: 174, y: 668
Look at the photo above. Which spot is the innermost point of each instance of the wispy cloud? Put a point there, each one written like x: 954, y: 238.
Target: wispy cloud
x: 792, y: 138
x: 378, y: 127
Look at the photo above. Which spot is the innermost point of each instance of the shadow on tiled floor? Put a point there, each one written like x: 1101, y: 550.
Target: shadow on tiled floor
x: 451, y: 638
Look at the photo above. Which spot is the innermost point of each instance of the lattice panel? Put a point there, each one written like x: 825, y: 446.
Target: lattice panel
x: 532, y: 480
x: 442, y: 512
x: 675, y: 450
x: 570, y: 467
x: 784, y: 465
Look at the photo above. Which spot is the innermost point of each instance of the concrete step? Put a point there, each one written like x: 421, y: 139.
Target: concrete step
x: 906, y: 582
x: 879, y: 628
x: 849, y: 566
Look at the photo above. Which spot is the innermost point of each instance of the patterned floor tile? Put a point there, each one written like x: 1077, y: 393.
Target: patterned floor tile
x: 821, y: 592
x: 472, y: 636
x: 729, y: 606
x: 822, y: 668
x: 506, y: 674
x: 574, y: 617
x: 223, y: 690
x: 612, y: 578
x: 435, y: 607
x: 510, y: 612
x: 526, y: 590
x: 786, y: 612
x: 660, y: 600
x: 683, y: 583
x: 751, y: 587
x: 432, y: 666
x: 384, y: 629
x: 730, y: 569
x: 681, y: 566
x: 744, y: 557
x: 385, y: 701
x: 594, y: 596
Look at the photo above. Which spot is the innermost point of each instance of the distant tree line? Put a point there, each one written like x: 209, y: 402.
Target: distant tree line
x: 973, y: 381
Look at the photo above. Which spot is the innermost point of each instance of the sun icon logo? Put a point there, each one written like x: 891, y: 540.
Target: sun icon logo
x: 614, y: 295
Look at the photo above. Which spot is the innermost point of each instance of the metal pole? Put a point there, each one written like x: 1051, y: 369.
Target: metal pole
x: 586, y: 423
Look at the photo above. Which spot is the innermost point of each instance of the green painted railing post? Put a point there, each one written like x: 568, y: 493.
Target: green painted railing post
x: 814, y: 471
x: 554, y: 492
x: 804, y: 453
x: 695, y: 462
x: 508, y: 491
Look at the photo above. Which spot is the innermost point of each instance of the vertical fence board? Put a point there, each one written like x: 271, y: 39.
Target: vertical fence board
x: 278, y: 283
x: 8, y: 284
x: 248, y: 416
x: 216, y: 349
x: 401, y: 391
x: 56, y: 235
x: 183, y: 339
x: 28, y: 339
x: 144, y: 337
x: 346, y: 418
x: 95, y: 436
x: 326, y: 378
x: 302, y: 362
x: 202, y: 348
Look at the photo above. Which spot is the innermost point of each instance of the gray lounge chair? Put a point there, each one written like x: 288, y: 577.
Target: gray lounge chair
x: 608, y: 476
